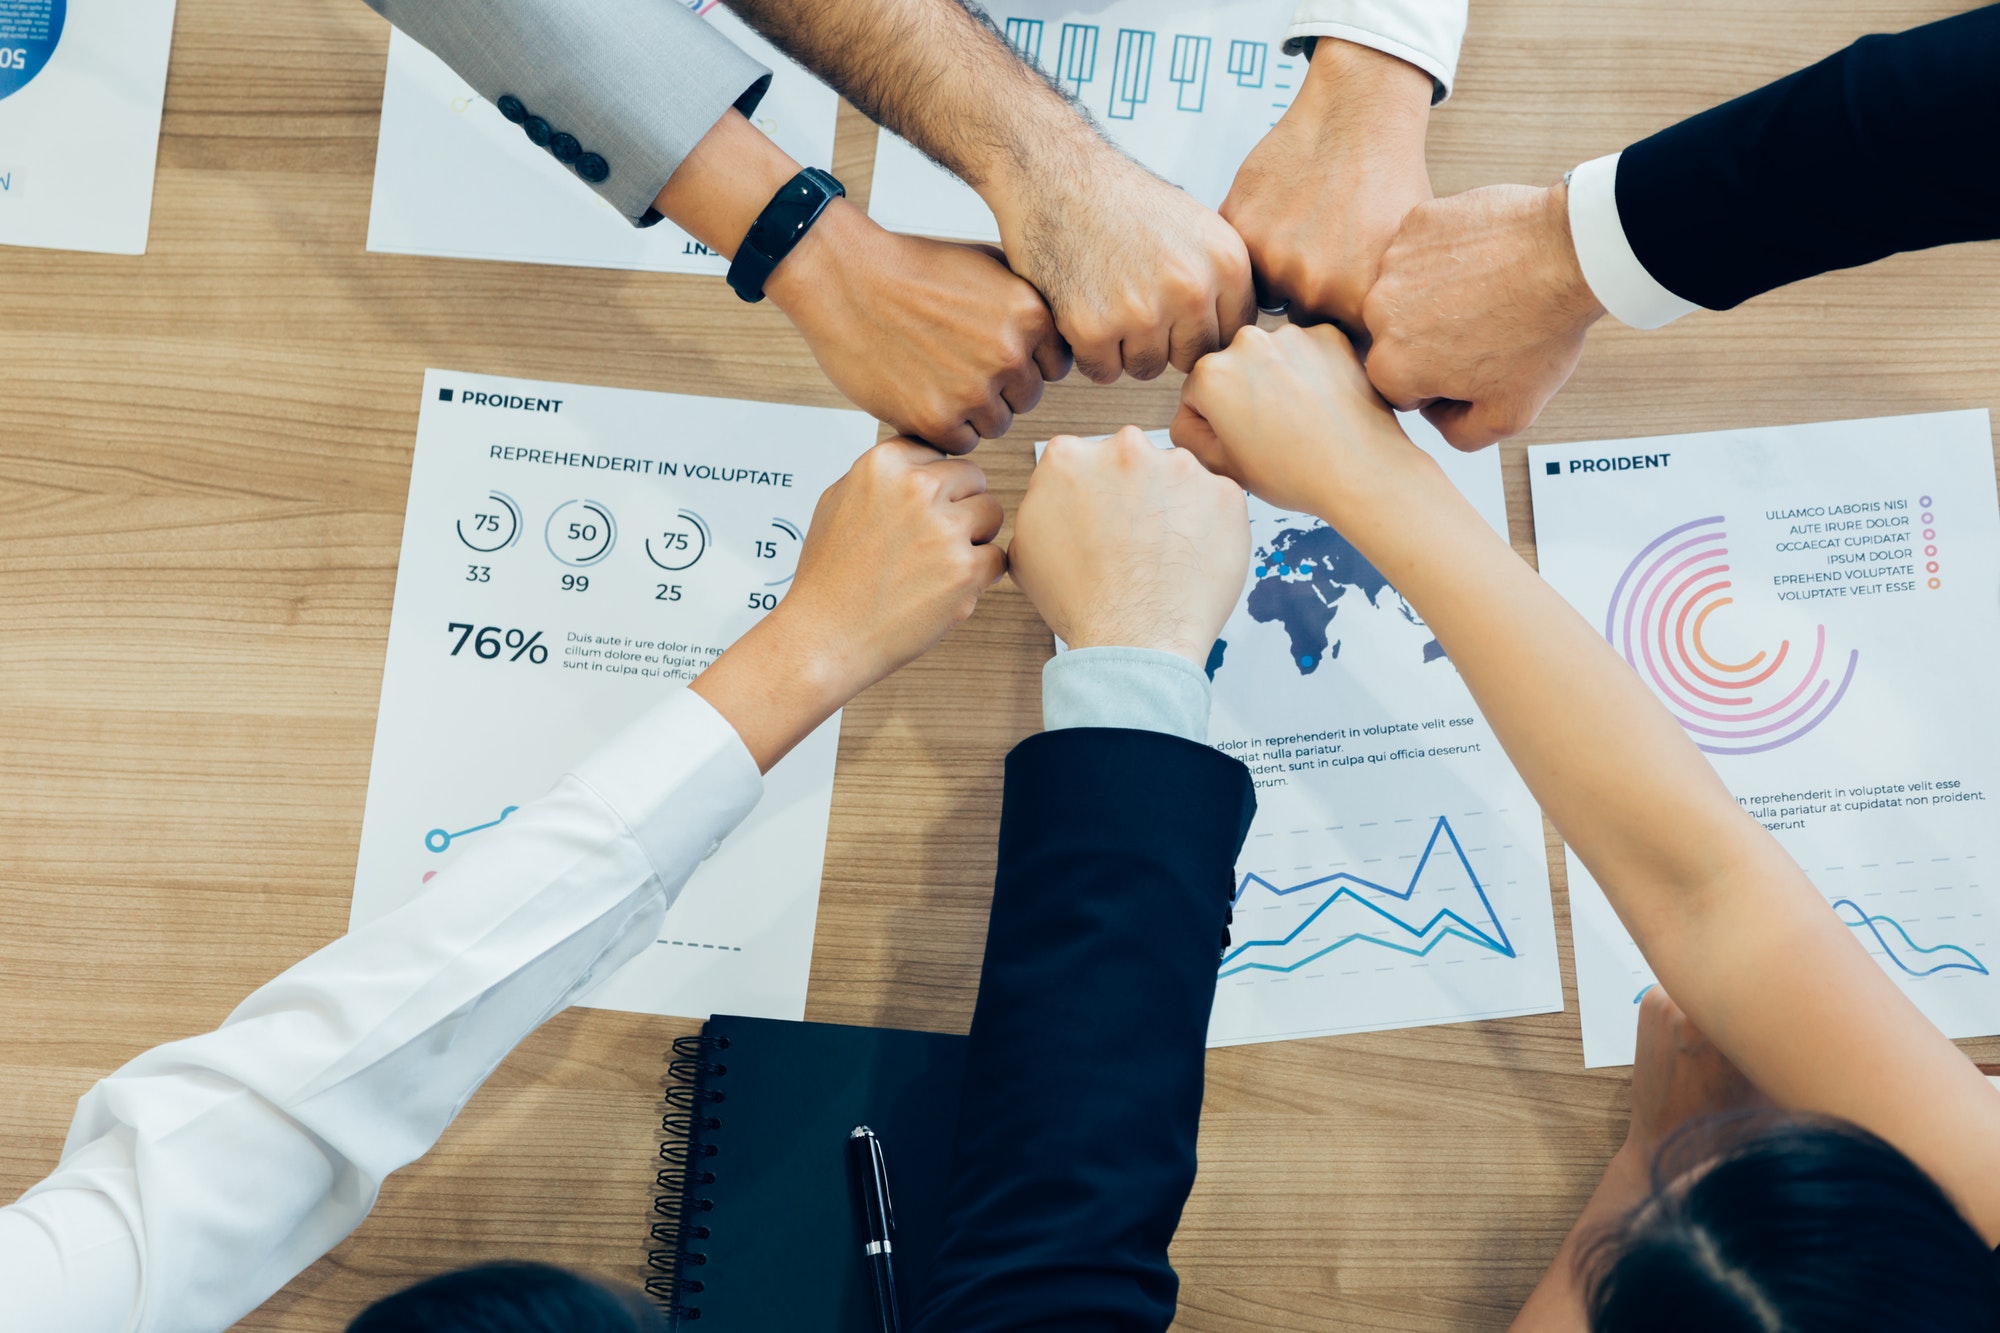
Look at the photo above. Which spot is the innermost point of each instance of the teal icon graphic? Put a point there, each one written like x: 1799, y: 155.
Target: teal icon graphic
x: 29, y: 31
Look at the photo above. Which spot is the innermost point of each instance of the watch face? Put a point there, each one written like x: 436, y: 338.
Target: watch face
x: 779, y: 227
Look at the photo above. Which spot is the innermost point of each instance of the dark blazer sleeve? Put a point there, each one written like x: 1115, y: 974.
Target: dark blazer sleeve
x: 1885, y: 146
x: 1075, y: 1147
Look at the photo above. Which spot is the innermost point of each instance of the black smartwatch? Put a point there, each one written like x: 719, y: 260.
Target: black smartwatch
x: 780, y: 227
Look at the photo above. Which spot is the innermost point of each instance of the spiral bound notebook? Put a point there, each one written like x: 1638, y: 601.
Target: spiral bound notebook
x: 754, y: 1225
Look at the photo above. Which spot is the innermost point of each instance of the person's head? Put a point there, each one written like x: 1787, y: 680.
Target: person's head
x: 1782, y: 1224
x: 510, y: 1298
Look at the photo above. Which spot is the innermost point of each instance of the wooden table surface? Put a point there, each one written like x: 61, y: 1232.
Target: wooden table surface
x: 203, y: 460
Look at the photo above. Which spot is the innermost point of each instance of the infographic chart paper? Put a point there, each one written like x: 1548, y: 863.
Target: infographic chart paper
x: 81, y: 87
x: 1395, y: 875
x: 569, y: 555
x: 454, y: 178
x: 1187, y: 87
x: 1819, y: 607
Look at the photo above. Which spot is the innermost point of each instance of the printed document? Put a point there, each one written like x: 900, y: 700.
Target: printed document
x: 455, y: 178
x: 1819, y: 607
x: 81, y: 87
x: 1396, y: 874
x: 1187, y: 87
x: 570, y: 554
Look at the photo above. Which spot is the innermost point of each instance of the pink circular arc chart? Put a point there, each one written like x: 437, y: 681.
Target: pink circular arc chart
x: 1658, y: 613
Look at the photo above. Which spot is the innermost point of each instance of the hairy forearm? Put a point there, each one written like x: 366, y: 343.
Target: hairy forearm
x: 1354, y: 91
x: 939, y: 74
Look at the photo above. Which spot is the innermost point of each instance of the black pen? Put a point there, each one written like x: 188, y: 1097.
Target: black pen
x: 868, y: 1171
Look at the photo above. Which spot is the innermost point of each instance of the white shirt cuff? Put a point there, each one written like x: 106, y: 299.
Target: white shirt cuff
x: 1138, y: 689
x: 1426, y: 33
x: 1617, y: 279
x: 674, y: 776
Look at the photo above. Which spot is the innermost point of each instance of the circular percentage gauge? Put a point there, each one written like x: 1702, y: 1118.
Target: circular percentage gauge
x: 580, y: 532
x: 493, y: 525
x: 679, y: 544
x: 785, y: 543
x: 34, y: 27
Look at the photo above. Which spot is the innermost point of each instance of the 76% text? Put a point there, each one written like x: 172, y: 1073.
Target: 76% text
x: 489, y: 641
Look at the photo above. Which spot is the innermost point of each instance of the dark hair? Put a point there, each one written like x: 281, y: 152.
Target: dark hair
x: 1766, y: 1223
x: 513, y: 1297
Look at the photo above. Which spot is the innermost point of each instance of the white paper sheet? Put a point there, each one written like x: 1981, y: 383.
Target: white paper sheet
x: 1395, y: 875
x: 1187, y: 87
x: 1820, y: 607
x: 81, y: 87
x: 454, y: 178
x: 542, y: 602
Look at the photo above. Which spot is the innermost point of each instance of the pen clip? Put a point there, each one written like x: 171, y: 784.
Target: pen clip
x: 882, y: 1174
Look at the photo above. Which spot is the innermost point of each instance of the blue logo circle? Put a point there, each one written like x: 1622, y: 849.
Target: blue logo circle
x: 29, y: 31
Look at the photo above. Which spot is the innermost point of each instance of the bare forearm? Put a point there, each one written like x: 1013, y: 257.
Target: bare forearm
x: 938, y: 74
x: 1727, y: 920
x: 775, y: 685
x: 1616, y: 776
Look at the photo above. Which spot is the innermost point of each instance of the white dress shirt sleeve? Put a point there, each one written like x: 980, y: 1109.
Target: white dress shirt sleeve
x: 1138, y: 689
x: 204, y: 1175
x: 1427, y: 33
x: 1621, y: 284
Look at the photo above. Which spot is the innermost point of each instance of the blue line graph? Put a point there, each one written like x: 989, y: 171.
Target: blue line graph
x: 437, y: 840
x: 1425, y: 937
x: 1873, y: 925
x: 1189, y: 70
x: 1076, y: 55
x: 1246, y: 62
x: 1132, y: 72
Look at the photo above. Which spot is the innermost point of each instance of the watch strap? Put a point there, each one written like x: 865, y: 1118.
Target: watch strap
x: 777, y: 231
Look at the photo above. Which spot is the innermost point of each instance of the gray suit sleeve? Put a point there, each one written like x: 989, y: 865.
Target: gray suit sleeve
x: 620, y: 91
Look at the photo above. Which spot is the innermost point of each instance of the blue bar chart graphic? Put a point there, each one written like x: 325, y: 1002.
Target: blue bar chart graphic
x: 1132, y: 63
x: 1349, y: 912
x: 1132, y: 72
x: 1026, y: 37
x: 1188, y: 71
x: 1076, y: 55
x: 1246, y: 62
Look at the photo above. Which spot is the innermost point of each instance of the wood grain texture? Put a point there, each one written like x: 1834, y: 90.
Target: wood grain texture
x: 203, y: 461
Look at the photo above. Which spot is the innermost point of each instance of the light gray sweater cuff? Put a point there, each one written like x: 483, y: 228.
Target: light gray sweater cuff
x: 1139, y: 689
x: 632, y: 84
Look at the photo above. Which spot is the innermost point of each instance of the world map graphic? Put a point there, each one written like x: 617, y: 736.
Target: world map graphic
x: 1302, y: 577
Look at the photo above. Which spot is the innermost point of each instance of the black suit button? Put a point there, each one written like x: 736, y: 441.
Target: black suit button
x: 537, y: 131
x: 592, y: 168
x: 565, y: 147
x: 510, y: 107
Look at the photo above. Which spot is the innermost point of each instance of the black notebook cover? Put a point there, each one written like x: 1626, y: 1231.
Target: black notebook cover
x: 755, y: 1230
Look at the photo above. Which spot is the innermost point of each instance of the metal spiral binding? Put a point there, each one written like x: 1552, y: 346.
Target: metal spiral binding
x: 684, y: 1150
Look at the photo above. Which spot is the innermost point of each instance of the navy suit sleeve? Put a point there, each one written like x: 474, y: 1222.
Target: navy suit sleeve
x: 1075, y: 1148
x: 1882, y: 147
